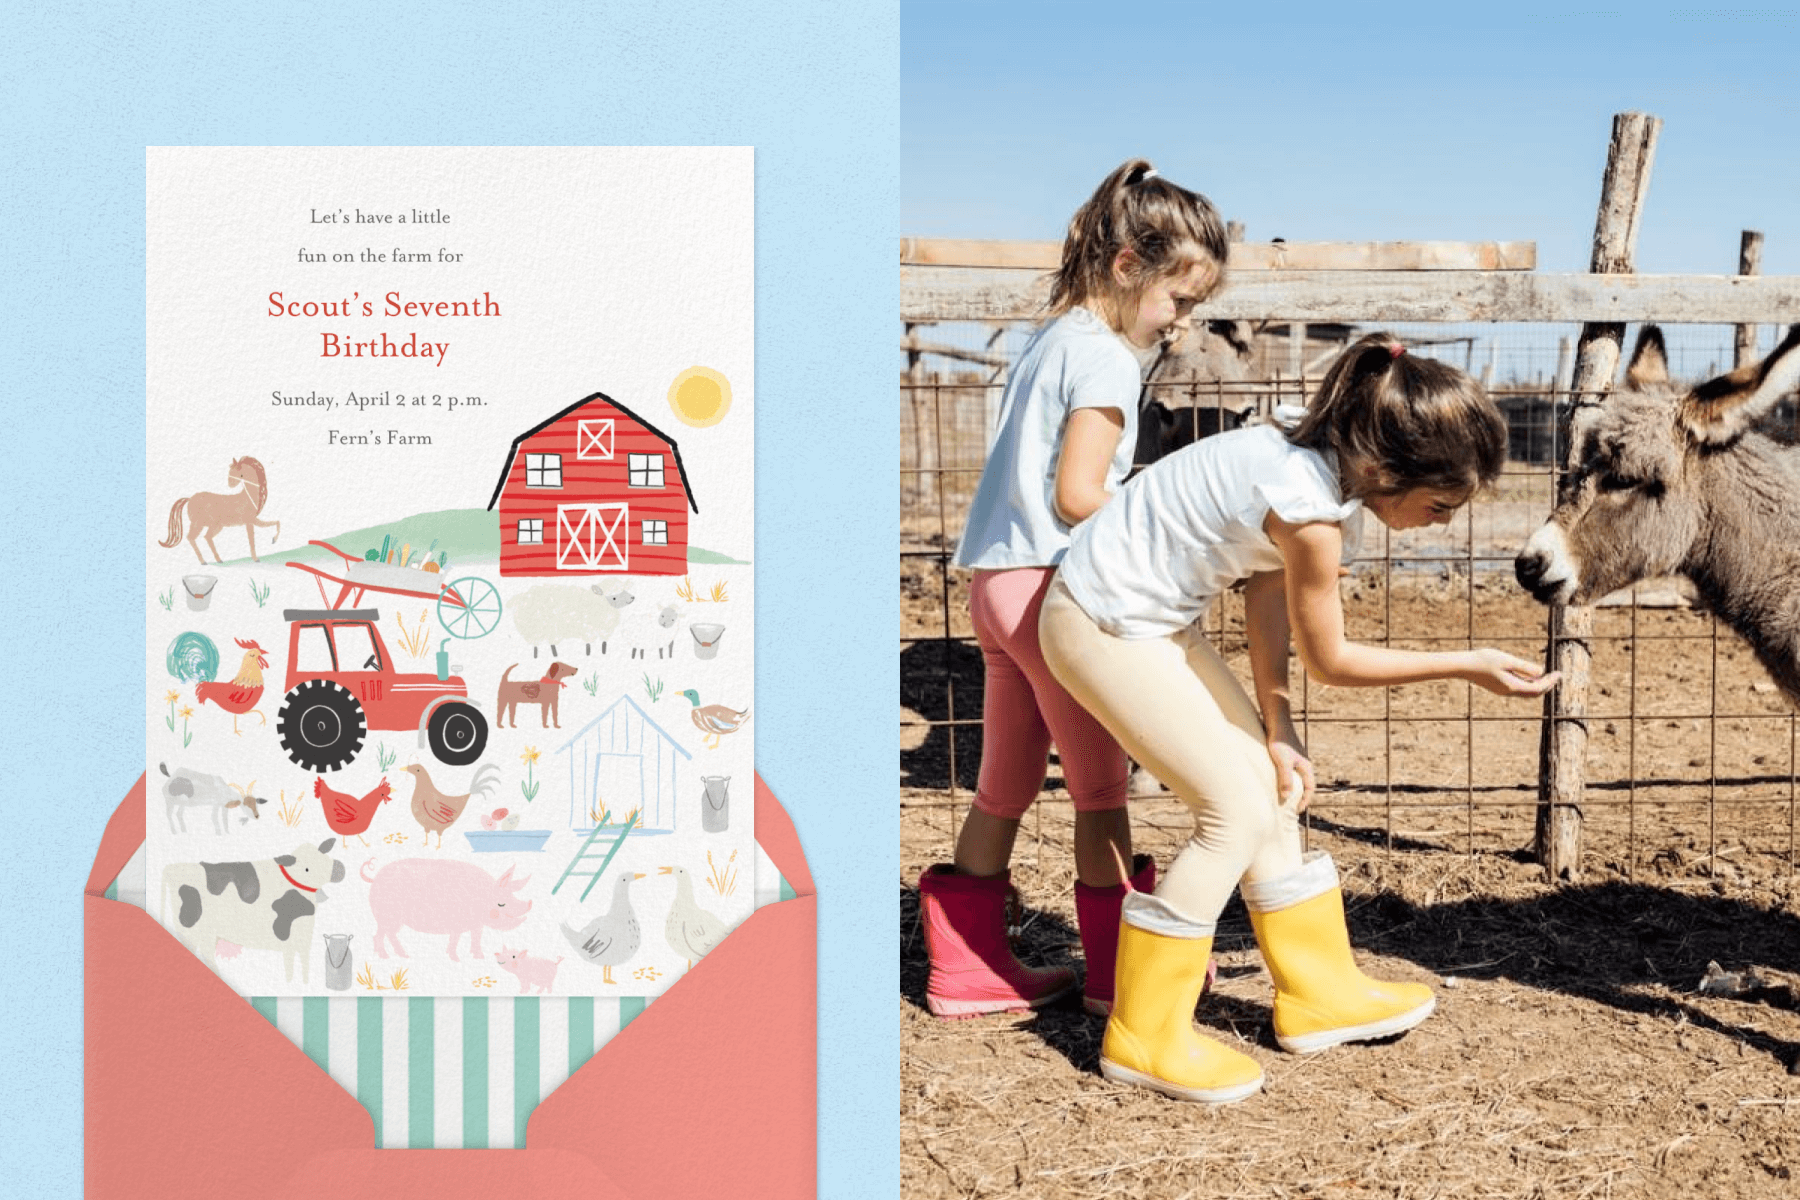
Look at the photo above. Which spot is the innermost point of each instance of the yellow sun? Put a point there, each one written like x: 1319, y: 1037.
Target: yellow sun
x: 700, y: 397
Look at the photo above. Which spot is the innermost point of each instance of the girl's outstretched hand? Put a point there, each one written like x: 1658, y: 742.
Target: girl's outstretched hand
x: 1509, y: 675
x: 1291, y: 767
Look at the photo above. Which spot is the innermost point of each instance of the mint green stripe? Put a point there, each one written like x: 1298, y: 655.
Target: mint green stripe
x: 264, y: 1005
x: 421, y: 1072
x: 581, y: 1031
x: 525, y: 1064
x: 787, y: 889
x: 316, y: 1030
x: 112, y: 890
x: 475, y: 1073
x: 368, y: 1058
x: 629, y: 1008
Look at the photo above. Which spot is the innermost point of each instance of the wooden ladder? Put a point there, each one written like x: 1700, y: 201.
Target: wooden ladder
x: 588, y: 846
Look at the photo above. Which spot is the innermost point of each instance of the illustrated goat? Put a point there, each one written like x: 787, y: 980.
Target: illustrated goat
x: 1676, y: 482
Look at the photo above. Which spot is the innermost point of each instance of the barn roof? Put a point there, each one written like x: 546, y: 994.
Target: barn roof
x: 513, y: 453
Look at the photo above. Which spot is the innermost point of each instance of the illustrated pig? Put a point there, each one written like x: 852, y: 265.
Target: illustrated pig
x: 533, y: 972
x: 434, y: 896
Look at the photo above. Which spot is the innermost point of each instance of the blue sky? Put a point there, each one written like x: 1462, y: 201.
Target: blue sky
x: 1357, y: 122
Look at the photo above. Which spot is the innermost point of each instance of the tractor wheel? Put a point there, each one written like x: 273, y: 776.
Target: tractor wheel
x: 321, y: 725
x: 457, y: 733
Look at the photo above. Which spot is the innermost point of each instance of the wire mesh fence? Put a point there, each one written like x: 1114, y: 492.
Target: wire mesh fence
x: 1691, y: 753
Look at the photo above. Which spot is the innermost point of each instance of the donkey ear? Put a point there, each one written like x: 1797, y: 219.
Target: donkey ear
x: 1719, y: 411
x: 1649, y: 361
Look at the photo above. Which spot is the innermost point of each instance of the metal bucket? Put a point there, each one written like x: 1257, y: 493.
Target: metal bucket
x: 715, y: 805
x: 199, y: 590
x: 706, y: 640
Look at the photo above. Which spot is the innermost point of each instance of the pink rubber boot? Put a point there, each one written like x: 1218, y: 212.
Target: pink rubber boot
x: 973, y: 970
x: 1097, y: 913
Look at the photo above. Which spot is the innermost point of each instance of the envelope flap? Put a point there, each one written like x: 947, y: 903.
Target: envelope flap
x: 124, y: 834
x: 774, y: 832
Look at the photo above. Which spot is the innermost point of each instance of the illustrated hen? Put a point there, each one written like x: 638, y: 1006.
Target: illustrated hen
x: 350, y: 815
x: 246, y: 688
x: 435, y: 810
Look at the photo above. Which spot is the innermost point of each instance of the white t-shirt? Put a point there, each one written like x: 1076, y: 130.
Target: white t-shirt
x: 1075, y: 361
x: 1149, y: 563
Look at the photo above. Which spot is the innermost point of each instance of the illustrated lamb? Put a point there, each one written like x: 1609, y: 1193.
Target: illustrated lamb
x: 561, y: 612
x: 641, y: 632
x: 1674, y: 482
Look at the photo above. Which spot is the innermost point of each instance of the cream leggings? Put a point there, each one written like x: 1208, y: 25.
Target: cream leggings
x: 1176, y: 708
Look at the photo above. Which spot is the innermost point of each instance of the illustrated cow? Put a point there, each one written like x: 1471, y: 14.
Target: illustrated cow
x: 265, y: 905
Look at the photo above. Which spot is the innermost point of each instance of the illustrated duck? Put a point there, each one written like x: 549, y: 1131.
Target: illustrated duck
x: 715, y: 720
x: 691, y: 930
x: 611, y: 938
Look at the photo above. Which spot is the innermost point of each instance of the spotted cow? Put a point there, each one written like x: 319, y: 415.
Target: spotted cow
x: 264, y: 905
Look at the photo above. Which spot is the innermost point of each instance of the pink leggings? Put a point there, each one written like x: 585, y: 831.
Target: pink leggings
x: 1026, y: 709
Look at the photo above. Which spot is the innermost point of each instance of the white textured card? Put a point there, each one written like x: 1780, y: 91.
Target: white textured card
x: 449, y: 672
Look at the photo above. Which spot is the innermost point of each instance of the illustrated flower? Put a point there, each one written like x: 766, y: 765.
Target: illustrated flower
x: 530, y: 786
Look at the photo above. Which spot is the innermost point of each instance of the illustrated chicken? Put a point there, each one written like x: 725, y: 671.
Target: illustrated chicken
x: 350, y: 815
x: 690, y: 929
x: 245, y: 689
x: 435, y: 810
x: 611, y: 938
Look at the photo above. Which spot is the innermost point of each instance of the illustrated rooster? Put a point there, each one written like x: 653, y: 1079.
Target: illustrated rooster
x: 435, y: 810
x: 350, y: 815
x: 242, y: 693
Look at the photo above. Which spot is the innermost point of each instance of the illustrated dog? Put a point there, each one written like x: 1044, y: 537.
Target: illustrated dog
x: 546, y: 693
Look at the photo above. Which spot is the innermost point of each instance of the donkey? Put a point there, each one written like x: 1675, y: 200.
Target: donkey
x: 1672, y: 481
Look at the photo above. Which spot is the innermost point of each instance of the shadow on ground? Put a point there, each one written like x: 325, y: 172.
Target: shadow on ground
x: 1636, y: 947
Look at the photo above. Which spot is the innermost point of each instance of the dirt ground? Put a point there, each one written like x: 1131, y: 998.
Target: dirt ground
x: 1573, y: 1053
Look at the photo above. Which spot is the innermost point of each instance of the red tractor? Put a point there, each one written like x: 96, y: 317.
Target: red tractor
x: 341, y: 680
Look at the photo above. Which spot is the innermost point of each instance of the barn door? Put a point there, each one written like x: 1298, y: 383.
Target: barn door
x: 593, y: 537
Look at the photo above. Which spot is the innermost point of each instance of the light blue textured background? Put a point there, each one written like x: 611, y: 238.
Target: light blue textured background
x: 813, y: 85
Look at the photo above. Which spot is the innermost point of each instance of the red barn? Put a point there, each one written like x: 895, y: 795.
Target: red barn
x: 594, y: 488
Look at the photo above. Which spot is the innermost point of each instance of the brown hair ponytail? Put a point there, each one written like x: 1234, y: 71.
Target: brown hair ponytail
x: 1164, y: 226
x: 1398, y: 421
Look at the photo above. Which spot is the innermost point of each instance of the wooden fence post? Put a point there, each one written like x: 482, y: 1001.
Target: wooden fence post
x: 1562, y: 775
x: 1749, y: 263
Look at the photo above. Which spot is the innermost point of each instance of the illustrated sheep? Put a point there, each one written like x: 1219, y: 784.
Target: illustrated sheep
x: 562, y: 612
x: 641, y: 632
x: 1676, y: 482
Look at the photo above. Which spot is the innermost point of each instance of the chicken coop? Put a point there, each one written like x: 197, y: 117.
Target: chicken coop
x: 620, y: 761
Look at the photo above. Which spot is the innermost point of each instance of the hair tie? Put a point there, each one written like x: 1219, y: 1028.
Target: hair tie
x: 1149, y: 174
x: 1396, y: 350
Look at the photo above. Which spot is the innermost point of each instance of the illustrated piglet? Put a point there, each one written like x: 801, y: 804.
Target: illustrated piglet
x: 533, y: 972
x: 434, y: 896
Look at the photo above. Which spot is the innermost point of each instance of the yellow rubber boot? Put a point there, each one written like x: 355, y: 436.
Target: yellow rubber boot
x: 1321, y: 998
x: 1151, y: 1040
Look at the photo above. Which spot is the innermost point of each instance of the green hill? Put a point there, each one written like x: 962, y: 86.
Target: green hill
x: 463, y: 533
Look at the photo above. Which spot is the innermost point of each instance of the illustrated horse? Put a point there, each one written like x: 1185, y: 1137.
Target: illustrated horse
x: 209, y: 513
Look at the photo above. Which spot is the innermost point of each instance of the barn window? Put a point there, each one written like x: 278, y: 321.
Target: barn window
x: 646, y: 470
x: 594, y: 439
x: 543, y: 470
x: 656, y: 533
x: 531, y: 532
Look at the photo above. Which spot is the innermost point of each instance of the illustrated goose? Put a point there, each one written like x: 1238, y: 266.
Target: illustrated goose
x: 691, y: 930
x: 611, y: 938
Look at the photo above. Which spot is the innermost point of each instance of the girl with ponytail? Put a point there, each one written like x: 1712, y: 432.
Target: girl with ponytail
x: 1140, y: 253
x: 1278, y: 508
